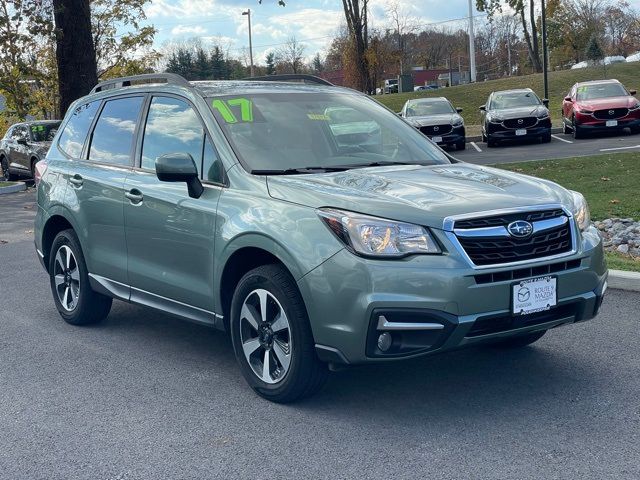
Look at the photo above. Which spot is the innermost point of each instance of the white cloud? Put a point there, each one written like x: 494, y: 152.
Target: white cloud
x: 187, y: 29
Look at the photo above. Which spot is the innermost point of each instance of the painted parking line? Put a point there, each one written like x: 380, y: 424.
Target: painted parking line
x: 561, y: 139
x: 619, y: 148
x: 473, y: 144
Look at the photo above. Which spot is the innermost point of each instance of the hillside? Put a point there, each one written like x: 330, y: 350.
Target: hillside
x: 470, y: 97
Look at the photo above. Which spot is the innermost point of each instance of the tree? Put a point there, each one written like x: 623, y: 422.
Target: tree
x: 317, y: 64
x: 75, y: 51
x: 291, y: 55
x: 270, y: 60
x: 356, y: 14
x: 403, y: 24
x: 594, y: 52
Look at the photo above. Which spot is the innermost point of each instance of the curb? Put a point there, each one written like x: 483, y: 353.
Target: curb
x: 623, y: 280
x: 18, y: 187
x: 478, y: 138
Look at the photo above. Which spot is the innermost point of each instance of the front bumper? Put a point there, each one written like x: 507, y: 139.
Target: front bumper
x: 456, y: 136
x: 510, y: 134
x: 442, y: 296
x: 590, y: 124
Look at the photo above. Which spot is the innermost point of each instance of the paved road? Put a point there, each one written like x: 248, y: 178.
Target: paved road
x: 561, y: 146
x: 146, y: 396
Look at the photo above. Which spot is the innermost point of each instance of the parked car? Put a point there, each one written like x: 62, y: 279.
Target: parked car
x: 614, y: 59
x: 232, y: 205
x: 391, y: 85
x: 600, y: 105
x: 421, y: 88
x: 437, y: 119
x: 633, y: 58
x: 24, y: 145
x: 515, y: 114
x: 579, y: 65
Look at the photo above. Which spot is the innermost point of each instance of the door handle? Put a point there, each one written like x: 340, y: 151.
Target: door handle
x: 76, y: 180
x: 134, y: 195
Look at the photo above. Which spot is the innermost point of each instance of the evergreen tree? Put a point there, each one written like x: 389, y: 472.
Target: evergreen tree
x: 202, y: 66
x: 219, y: 70
x: 271, y: 63
x: 318, y: 66
x: 594, y: 52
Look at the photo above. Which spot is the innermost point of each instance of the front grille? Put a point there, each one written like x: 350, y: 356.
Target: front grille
x: 495, y: 250
x: 436, y: 129
x: 499, y: 220
x: 521, y: 273
x: 611, y: 113
x: 524, y: 122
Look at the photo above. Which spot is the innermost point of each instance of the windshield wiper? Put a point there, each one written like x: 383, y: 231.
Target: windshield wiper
x: 300, y: 170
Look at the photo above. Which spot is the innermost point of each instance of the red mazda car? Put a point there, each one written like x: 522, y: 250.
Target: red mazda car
x: 601, y: 105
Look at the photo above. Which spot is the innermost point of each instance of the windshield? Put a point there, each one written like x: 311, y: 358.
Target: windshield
x: 420, y: 109
x: 302, y: 130
x: 603, y: 90
x: 514, y: 100
x: 44, y: 132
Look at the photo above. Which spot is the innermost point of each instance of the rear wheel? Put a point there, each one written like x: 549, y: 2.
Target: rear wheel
x: 6, y: 174
x: 77, y: 303
x: 33, y: 167
x: 566, y: 130
x: 520, y: 340
x: 272, y: 337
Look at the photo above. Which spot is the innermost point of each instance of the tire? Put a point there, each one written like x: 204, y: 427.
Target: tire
x: 461, y: 145
x: 294, y: 371
x: 565, y: 130
x: 6, y: 174
x: 546, y: 138
x: 484, y: 138
x: 577, y: 132
x: 33, y: 167
x: 76, y: 302
x: 491, y: 143
x: 520, y: 340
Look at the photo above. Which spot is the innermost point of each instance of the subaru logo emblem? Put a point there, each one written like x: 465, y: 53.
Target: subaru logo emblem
x: 436, y: 128
x: 520, y: 229
x: 611, y: 112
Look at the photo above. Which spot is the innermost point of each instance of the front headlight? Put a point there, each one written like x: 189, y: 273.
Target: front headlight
x: 457, y: 121
x: 542, y: 114
x: 378, y: 237
x: 494, y: 118
x: 635, y: 107
x: 581, y: 211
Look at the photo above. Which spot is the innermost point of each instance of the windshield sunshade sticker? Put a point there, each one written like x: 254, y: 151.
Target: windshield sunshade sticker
x: 224, y: 108
x: 318, y: 116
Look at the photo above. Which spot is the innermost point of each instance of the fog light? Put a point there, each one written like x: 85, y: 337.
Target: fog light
x: 384, y: 341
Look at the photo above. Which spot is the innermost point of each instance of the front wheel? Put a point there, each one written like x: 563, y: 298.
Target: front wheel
x: 272, y: 337
x: 577, y: 131
x: 520, y: 340
x: 460, y: 145
x: 77, y: 303
x: 6, y: 174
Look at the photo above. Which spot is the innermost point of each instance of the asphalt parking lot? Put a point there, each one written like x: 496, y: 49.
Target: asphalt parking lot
x: 146, y: 396
x: 561, y: 146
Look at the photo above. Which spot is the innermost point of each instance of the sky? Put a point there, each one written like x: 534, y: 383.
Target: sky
x: 312, y: 22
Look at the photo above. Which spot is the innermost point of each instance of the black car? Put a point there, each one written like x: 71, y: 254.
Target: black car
x: 437, y: 119
x: 515, y: 115
x: 24, y: 145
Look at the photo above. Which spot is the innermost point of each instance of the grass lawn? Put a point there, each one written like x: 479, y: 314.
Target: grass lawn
x: 470, y: 97
x: 7, y: 184
x: 610, y: 183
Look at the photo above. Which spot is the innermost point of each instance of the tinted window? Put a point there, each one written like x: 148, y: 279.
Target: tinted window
x: 44, y: 132
x: 113, y: 136
x: 211, y: 164
x: 75, y: 131
x: 602, y: 90
x: 9, y: 133
x: 514, y: 100
x: 172, y: 127
x: 434, y: 107
x: 19, y: 132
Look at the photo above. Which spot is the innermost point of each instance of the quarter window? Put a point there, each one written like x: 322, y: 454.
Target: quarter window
x: 212, y: 170
x: 172, y: 127
x: 112, y: 137
x: 75, y: 131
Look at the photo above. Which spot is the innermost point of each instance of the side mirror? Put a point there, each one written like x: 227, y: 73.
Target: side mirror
x: 459, y: 110
x: 633, y: 92
x: 567, y: 99
x: 483, y: 108
x: 22, y: 141
x: 545, y: 102
x: 179, y: 167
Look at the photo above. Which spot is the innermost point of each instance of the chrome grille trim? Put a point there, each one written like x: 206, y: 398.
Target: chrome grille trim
x: 484, y: 232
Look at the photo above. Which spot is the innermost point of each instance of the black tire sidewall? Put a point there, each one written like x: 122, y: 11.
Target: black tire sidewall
x: 298, y: 323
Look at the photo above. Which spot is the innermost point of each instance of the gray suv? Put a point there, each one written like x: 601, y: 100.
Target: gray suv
x: 240, y: 205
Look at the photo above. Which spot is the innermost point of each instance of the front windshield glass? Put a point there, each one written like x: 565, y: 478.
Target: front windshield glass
x: 603, y: 90
x: 514, y: 100
x: 44, y: 132
x: 420, y: 109
x: 298, y: 130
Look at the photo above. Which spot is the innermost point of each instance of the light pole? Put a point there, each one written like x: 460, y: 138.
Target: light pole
x: 545, y: 63
x: 248, y: 14
x: 472, y: 46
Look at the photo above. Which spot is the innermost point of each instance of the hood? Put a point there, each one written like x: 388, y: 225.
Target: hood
x: 519, y: 112
x: 610, y: 102
x: 442, y: 119
x: 424, y: 195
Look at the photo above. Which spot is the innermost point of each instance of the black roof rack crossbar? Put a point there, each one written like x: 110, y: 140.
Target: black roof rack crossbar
x: 112, y: 83
x: 287, y: 77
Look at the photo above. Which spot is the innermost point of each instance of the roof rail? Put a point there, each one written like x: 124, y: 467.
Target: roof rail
x: 288, y: 77
x: 113, y: 83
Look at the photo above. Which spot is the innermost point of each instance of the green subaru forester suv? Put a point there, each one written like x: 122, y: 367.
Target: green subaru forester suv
x: 241, y: 205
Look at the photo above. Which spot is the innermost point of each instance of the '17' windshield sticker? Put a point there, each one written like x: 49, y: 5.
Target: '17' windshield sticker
x: 225, y: 108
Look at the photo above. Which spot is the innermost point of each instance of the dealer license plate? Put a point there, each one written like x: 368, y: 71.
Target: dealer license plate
x: 534, y: 295
x: 436, y: 139
x: 521, y: 131
x: 612, y: 123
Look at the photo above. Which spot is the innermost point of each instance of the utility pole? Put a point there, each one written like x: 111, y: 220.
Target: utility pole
x: 248, y: 14
x: 472, y: 46
x: 545, y: 59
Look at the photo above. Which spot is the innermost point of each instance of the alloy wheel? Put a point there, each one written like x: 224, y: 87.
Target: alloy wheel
x: 265, y: 336
x: 67, y: 278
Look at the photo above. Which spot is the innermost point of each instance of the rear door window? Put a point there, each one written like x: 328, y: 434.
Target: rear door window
x: 75, y: 131
x: 112, y: 138
x: 172, y: 126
